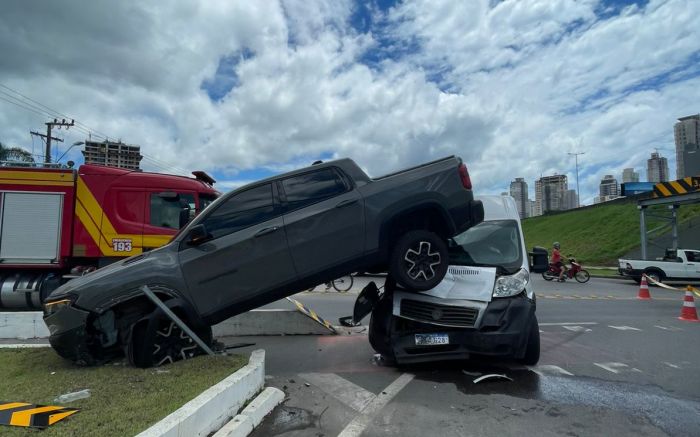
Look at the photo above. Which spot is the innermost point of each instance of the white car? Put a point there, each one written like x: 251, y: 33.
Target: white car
x: 485, y: 305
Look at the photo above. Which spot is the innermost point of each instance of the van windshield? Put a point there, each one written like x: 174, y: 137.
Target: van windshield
x: 493, y: 243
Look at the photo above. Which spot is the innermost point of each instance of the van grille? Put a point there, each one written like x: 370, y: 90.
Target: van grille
x: 439, y: 314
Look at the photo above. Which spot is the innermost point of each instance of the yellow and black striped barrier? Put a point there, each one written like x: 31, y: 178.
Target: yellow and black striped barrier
x: 312, y: 314
x: 28, y: 415
x: 678, y: 187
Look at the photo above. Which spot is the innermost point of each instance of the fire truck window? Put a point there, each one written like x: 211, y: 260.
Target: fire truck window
x: 165, y: 212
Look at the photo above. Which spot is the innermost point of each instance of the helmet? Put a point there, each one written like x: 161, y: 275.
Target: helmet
x: 556, y: 245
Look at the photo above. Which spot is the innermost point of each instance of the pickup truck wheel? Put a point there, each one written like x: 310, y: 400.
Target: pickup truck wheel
x: 532, y: 350
x: 419, y: 260
x: 654, y: 275
x: 159, y: 340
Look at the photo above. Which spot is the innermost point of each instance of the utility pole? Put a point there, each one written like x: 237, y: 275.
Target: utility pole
x: 43, y: 137
x: 50, y: 125
x: 578, y: 191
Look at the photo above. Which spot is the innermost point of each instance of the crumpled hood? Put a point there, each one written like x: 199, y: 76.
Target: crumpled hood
x: 466, y: 282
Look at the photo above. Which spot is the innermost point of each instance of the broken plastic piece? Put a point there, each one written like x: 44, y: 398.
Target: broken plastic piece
x: 70, y: 397
x: 471, y: 373
x: 491, y: 376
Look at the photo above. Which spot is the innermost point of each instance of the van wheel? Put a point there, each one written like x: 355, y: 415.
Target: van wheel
x: 532, y: 350
x: 380, y: 324
x: 157, y: 340
x: 419, y: 260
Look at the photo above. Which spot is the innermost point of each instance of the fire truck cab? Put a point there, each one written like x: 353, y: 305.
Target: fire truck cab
x: 57, y: 223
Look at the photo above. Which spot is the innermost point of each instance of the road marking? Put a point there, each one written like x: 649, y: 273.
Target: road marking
x: 616, y: 367
x: 360, y: 422
x: 675, y: 366
x: 624, y: 328
x: 568, y: 323
x: 340, y: 388
x: 577, y: 328
x: 666, y: 328
x: 549, y: 369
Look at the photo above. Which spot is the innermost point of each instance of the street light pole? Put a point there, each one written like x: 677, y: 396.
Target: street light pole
x: 77, y: 143
x: 578, y: 191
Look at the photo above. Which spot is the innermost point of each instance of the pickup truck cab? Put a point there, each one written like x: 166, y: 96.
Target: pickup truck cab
x: 260, y: 243
x: 485, y: 305
x: 676, y: 265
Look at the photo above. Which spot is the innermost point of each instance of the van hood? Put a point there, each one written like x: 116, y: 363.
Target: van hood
x: 466, y: 282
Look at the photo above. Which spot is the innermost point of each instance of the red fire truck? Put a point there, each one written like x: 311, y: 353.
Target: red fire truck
x: 56, y: 223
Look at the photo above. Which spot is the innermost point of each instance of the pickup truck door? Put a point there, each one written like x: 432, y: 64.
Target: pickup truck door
x: 247, y: 256
x: 324, y: 220
x: 692, y: 265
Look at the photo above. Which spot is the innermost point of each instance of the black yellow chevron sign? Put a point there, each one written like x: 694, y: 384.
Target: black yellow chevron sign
x: 677, y: 187
x: 311, y: 313
x: 29, y: 415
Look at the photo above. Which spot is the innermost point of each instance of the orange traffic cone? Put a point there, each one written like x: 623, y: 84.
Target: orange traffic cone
x: 644, y: 289
x: 688, y: 312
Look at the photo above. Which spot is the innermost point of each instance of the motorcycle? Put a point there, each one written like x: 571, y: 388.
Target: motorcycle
x: 574, y: 272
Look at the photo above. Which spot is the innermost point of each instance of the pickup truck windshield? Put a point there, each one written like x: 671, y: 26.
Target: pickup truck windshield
x: 491, y: 243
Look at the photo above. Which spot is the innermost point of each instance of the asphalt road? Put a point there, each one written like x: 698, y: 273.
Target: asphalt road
x: 611, y: 364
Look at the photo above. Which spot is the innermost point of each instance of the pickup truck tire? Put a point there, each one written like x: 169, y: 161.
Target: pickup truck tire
x: 656, y: 275
x: 380, y: 324
x: 419, y: 260
x: 532, y: 349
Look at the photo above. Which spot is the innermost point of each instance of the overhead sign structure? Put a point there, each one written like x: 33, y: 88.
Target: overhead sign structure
x: 26, y: 415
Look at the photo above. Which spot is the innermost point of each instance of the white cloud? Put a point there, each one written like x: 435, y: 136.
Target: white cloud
x: 511, y: 88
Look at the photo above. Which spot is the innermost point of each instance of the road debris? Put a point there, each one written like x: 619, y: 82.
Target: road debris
x: 74, y: 396
x: 491, y: 376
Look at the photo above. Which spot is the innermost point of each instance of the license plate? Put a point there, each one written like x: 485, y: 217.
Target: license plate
x: 432, y: 339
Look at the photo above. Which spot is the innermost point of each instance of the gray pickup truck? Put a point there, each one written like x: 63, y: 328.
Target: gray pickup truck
x: 260, y: 243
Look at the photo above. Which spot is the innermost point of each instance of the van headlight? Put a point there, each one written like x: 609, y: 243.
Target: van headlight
x: 510, y: 285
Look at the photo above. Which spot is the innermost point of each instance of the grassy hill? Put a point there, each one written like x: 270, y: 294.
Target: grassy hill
x: 597, y: 235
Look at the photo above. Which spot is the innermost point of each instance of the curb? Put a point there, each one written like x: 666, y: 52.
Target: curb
x: 209, y: 411
x: 245, y: 422
x: 22, y: 325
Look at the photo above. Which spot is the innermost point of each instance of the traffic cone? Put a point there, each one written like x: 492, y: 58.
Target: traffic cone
x: 688, y: 312
x: 644, y: 289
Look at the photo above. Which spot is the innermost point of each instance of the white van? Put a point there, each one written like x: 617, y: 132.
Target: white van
x: 485, y: 305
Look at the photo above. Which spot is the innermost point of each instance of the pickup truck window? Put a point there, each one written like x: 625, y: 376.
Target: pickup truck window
x: 490, y: 243
x: 241, y: 211
x: 692, y: 256
x: 309, y: 188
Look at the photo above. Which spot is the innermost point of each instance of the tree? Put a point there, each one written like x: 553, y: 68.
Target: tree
x: 14, y: 154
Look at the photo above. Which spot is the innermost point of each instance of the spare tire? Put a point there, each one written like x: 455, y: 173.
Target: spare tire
x: 419, y: 260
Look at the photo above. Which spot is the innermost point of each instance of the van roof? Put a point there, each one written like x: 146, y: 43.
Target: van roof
x: 499, y: 207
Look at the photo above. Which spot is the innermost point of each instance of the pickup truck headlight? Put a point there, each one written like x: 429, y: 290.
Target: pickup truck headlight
x: 56, y: 304
x: 510, y: 285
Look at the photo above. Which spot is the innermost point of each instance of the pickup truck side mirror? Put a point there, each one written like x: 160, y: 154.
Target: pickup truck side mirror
x: 540, y: 260
x: 198, y: 235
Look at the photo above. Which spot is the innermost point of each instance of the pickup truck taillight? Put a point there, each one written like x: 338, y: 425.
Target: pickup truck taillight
x: 464, y: 175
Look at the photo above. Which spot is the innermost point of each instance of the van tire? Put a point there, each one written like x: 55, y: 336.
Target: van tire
x: 380, y: 324
x: 419, y: 260
x: 532, y: 349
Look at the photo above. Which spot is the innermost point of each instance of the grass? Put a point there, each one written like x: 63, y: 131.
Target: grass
x: 599, y: 235
x: 124, y: 400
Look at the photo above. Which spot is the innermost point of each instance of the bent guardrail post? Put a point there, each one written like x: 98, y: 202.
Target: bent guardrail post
x: 151, y: 295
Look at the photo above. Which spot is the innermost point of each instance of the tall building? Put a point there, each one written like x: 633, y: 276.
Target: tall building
x: 551, y: 194
x: 571, y: 199
x: 608, y: 186
x: 687, y: 135
x: 518, y: 190
x: 113, y: 154
x: 629, y: 175
x: 532, y: 209
x: 657, y: 168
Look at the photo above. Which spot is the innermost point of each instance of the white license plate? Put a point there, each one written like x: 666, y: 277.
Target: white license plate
x: 432, y: 339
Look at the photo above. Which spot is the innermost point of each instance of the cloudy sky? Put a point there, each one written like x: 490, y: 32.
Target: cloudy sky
x: 246, y: 89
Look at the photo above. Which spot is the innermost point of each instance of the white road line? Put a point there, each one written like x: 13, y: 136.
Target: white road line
x: 675, y: 366
x: 23, y: 345
x: 666, y: 328
x: 617, y: 367
x: 577, y: 328
x: 624, y: 328
x: 340, y: 388
x: 549, y: 369
x: 569, y: 323
x: 360, y: 422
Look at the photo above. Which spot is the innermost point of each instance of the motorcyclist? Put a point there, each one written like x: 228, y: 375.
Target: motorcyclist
x: 556, y: 261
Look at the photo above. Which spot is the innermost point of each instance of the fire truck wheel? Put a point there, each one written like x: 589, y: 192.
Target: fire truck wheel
x: 159, y: 340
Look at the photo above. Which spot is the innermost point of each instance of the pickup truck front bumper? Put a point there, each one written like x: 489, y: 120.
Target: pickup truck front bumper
x: 502, y: 332
x: 631, y: 273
